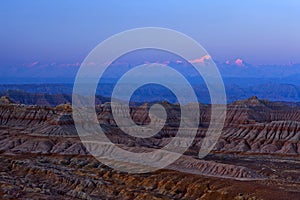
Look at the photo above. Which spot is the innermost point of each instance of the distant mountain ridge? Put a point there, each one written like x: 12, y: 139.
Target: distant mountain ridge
x: 42, y: 99
x: 241, y: 79
x: 61, y: 93
x: 66, y: 73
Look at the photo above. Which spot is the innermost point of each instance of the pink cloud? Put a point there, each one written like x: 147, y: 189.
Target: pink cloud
x: 77, y: 64
x: 165, y: 62
x: 33, y: 64
x: 202, y: 59
x: 239, y: 62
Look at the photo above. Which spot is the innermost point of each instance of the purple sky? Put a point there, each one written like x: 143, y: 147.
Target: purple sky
x: 55, y: 31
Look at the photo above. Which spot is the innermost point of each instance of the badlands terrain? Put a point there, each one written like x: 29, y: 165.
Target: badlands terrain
x: 256, y: 157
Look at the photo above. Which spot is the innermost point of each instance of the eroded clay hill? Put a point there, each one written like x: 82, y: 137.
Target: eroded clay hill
x: 252, y: 125
x: 42, y: 155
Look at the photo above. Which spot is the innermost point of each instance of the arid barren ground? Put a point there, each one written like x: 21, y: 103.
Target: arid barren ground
x: 256, y: 157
